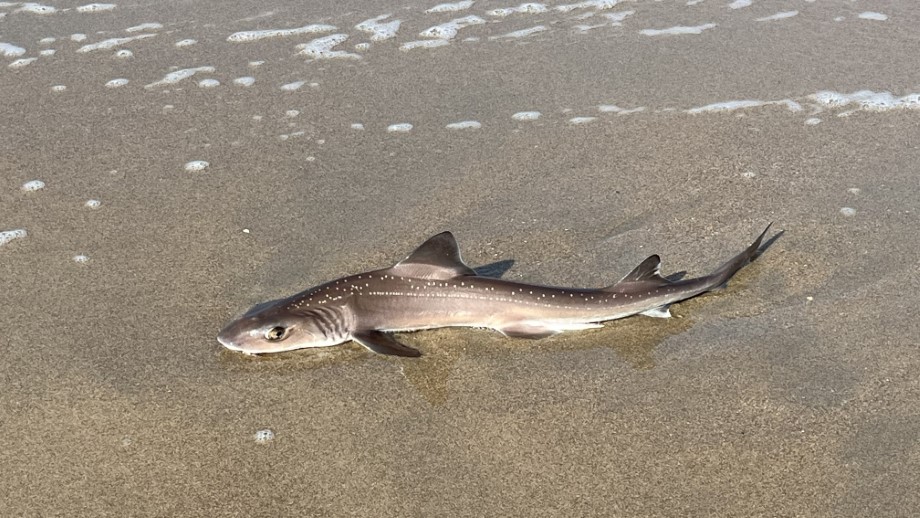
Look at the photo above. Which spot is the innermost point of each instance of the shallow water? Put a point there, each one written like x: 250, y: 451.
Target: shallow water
x: 192, y: 166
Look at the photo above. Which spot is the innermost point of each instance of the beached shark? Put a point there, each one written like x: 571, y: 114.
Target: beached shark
x: 433, y: 288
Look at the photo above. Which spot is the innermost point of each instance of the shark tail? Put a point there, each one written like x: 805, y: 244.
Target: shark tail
x: 725, y: 272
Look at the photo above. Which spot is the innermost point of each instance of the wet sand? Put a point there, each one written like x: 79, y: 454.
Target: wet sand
x: 793, y: 392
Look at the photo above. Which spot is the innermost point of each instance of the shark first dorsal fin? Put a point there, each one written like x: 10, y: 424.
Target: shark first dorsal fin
x: 648, y: 273
x: 437, y: 258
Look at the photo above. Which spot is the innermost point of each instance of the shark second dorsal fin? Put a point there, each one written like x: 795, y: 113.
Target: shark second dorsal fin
x: 437, y: 258
x: 646, y: 274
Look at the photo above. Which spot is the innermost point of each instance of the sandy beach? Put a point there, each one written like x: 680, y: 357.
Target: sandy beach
x: 165, y: 167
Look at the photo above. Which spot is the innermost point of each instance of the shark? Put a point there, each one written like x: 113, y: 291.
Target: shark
x: 433, y: 288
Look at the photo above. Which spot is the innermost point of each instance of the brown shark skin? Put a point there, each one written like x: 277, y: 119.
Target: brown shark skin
x: 433, y: 288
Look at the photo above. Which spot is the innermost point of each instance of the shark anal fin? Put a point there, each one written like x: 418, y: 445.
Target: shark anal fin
x: 437, y: 258
x: 536, y: 330
x: 383, y: 343
x: 659, y: 312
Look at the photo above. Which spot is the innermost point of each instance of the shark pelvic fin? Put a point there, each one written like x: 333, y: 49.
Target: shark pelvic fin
x: 648, y: 273
x: 437, y: 258
x: 382, y: 343
x: 535, y: 330
x: 659, y: 312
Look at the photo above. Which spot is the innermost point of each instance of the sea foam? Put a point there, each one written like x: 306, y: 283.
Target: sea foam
x: 379, y: 31
x: 179, y: 75
x: 8, y: 235
x: 247, y: 36
x: 321, y: 48
x: 671, y: 31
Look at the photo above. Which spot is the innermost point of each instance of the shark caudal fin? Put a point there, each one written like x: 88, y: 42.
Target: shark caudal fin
x: 725, y: 272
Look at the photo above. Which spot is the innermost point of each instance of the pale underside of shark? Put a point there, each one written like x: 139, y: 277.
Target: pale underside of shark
x: 434, y: 288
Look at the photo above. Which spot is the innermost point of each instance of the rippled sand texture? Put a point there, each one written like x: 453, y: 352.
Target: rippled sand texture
x: 165, y: 166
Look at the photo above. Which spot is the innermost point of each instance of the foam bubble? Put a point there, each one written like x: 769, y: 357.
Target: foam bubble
x: 247, y: 36
x: 80, y: 259
x: 254, y: 64
x: 33, y: 185
x: 617, y: 18
x: 31, y: 7
x: 291, y: 87
x: 186, y: 42
x: 8, y: 235
x: 47, y: 41
x: 778, y: 16
x: 58, y: 88
x: 586, y: 28
x: 244, y: 81
x: 529, y: 8
x: 208, y: 83
x: 464, y: 125
x: 116, y: 83
x: 402, y: 127
x: 95, y: 8
x: 854, y: 190
x: 380, y: 31
x: 869, y: 15
x: 196, y: 165
x: 321, y: 48
x: 357, y: 126
x: 582, y: 120
x: 47, y: 52
x: 92, y: 204
x: 78, y: 37
x: 21, y: 62
x: 452, y: 7
x: 112, y: 43
x: 612, y: 108
x: 448, y: 31
x: 671, y: 31
x: 738, y: 4
x: 423, y: 44
x: 597, y: 5
x: 149, y: 26
x: 526, y: 116
x: 8, y: 50
x: 867, y: 100
x: 124, y: 54
x: 848, y: 211
x: 179, y: 75
x: 292, y: 135
x: 264, y: 436
x: 727, y: 106
x: 362, y: 47
x: 520, y: 33
x: 812, y: 121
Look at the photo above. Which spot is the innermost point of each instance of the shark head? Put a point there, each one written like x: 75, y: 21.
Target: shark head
x: 274, y: 330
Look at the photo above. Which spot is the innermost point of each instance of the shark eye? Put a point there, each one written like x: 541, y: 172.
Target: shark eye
x: 275, y: 333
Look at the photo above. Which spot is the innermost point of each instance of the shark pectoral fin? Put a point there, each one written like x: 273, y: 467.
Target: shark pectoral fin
x: 536, y: 330
x: 659, y: 312
x: 383, y: 343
